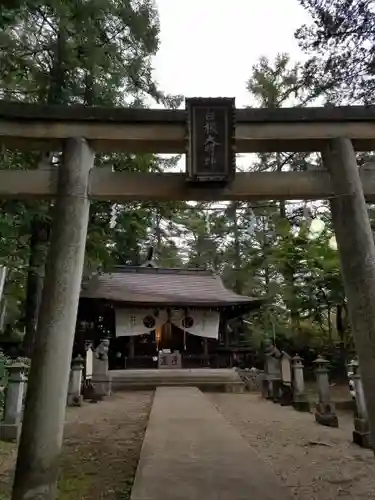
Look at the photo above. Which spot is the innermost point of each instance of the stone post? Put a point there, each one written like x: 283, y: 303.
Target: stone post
x: 355, y: 242
x: 10, y: 427
x: 286, y: 380
x: 266, y: 382
x: 300, y: 400
x: 100, y: 376
x: 361, y: 433
x: 89, y: 360
x: 274, y: 378
x: 325, y: 412
x: 75, y: 382
x: 88, y: 387
x: 43, y: 424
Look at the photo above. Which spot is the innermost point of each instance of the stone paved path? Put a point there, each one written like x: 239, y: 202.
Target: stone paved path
x: 191, y: 452
x: 314, y: 462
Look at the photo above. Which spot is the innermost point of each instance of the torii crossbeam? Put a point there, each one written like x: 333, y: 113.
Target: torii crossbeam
x: 80, y: 132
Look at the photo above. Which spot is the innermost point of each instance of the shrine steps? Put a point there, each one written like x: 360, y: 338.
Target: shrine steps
x: 205, y: 379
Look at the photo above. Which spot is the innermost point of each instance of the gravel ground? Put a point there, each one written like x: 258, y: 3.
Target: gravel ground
x: 102, y: 443
x: 314, y: 462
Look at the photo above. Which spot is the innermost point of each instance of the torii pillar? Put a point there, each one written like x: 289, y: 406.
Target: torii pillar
x: 43, y: 422
x: 356, y: 248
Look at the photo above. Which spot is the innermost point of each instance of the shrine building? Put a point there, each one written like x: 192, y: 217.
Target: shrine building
x: 145, y: 310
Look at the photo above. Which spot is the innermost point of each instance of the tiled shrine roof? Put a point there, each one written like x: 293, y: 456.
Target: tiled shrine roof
x: 173, y: 287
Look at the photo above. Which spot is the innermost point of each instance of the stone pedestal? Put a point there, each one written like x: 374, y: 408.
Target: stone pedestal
x: 100, y: 377
x: 300, y: 401
x: 325, y: 411
x: 269, y: 389
x: 273, y: 377
x: 361, y: 433
x: 10, y: 427
x: 169, y: 360
x: 276, y: 390
x: 286, y: 396
x: 102, y: 384
x: 265, y: 387
x: 75, y: 382
x: 325, y: 414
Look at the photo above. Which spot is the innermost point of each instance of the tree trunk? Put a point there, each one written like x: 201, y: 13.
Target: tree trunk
x: 339, y: 322
x: 237, y: 250
x: 288, y: 274
x: 37, y: 259
x: 40, y: 225
x: 329, y: 324
x: 265, y: 249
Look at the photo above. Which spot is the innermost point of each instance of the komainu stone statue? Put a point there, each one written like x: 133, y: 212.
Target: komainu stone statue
x: 101, y: 352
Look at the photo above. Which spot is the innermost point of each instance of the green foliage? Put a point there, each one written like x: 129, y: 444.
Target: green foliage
x: 267, y: 249
x: 340, y: 42
x: 85, y: 52
x: 97, y: 52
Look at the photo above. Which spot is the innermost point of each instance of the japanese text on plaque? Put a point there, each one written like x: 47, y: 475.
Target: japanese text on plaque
x: 211, y: 143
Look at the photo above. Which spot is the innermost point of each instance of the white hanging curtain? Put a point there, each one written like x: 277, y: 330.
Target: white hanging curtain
x: 131, y: 322
x: 202, y: 323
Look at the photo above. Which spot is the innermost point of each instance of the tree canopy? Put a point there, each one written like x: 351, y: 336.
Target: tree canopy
x: 97, y: 52
x: 341, y: 44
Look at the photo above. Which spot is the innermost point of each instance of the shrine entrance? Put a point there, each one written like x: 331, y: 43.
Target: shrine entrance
x: 169, y: 336
x: 193, y: 349
x: 209, y: 132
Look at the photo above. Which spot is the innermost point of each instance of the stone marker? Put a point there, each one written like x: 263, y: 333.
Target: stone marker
x: 10, y: 427
x: 89, y: 361
x: 275, y: 379
x: 100, y: 376
x: 88, y: 387
x: 266, y: 383
x: 325, y: 412
x: 272, y: 371
x: 361, y: 433
x: 286, y: 380
x: 75, y: 382
x: 300, y: 400
x: 265, y: 389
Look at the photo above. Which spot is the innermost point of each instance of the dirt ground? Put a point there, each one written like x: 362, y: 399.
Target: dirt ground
x: 314, y: 462
x: 339, y: 392
x: 102, y: 443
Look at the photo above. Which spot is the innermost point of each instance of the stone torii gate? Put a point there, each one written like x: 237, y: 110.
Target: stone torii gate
x: 80, y: 132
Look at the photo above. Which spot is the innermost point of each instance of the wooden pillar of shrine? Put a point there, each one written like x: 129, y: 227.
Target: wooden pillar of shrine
x: 205, y: 347
x: 131, y: 347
